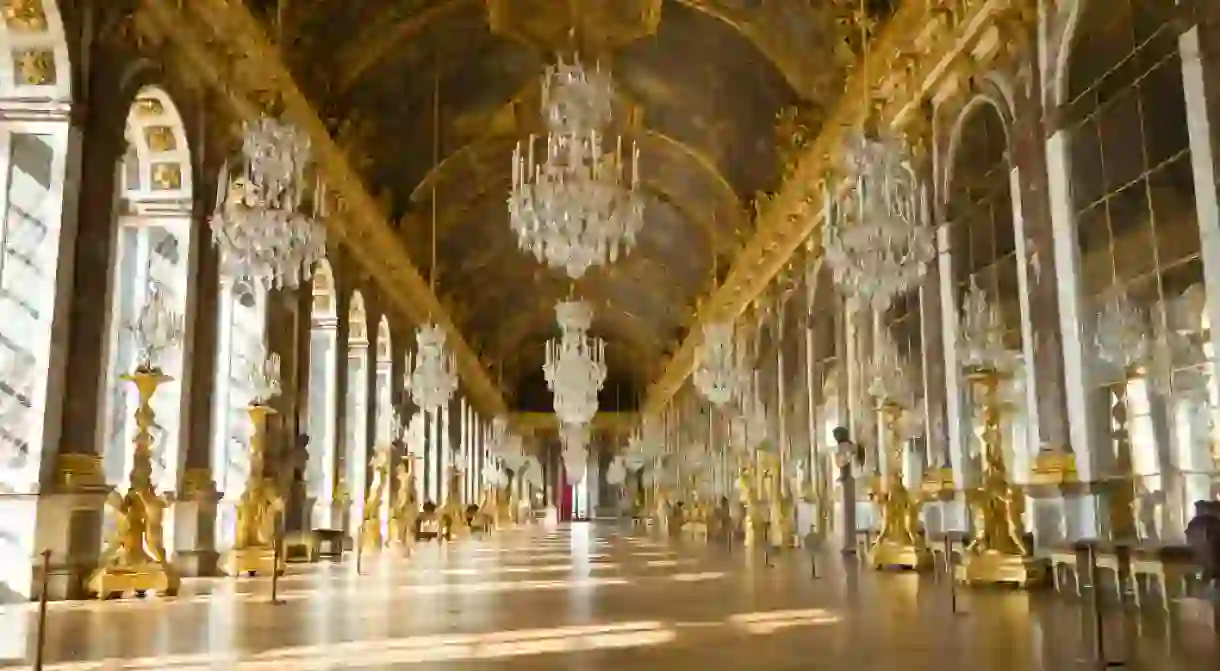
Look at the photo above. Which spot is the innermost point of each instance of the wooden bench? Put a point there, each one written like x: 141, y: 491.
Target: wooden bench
x: 1115, y: 558
x: 301, y: 543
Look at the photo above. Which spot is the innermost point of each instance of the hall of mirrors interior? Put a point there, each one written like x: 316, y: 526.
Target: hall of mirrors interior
x: 927, y: 281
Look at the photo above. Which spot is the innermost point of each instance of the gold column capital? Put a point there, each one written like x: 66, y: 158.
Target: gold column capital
x: 79, y: 471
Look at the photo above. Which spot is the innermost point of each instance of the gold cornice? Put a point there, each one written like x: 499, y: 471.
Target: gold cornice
x: 256, y: 72
x: 917, y: 48
x: 392, y: 28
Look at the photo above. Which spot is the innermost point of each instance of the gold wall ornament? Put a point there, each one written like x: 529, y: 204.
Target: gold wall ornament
x: 901, y: 542
x: 160, y: 139
x: 25, y: 16
x: 998, y: 551
x: 166, y: 176
x: 258, y: 509
x: 134, y: 560
x: 79, y: 471
x: 35, y: 67
x: 453, y: 513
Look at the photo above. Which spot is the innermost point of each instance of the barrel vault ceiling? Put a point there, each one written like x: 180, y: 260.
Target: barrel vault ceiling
x: 701, y: 84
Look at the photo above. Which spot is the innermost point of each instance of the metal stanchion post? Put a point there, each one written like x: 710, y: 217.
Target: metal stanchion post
x: 277, y: 557
x: 951, y: 569
x: 1099, y: 629
x: 40, y: 640
x: 359, y: 550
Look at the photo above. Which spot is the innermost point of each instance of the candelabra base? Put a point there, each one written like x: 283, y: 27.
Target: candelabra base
x: 254, y: 560
x: 887, y: 554
x: 996, y: 568
x: 111, y: 582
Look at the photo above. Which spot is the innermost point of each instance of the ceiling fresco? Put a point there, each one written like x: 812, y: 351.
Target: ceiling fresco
x: 430, y: 97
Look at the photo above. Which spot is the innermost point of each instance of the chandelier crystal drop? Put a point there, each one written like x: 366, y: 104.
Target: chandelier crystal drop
x: 258, y: 224
x: 575, y: 365
x: 982, y: 334
x: 578, y: 204
x: 877, y: 235
x: 263, y: 377
x: 431, y: 376
x: 720, y: 368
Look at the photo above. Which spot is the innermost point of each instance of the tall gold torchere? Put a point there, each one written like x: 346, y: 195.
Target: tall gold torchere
x: 259, y: 507
x: 998, y: 551
x: 135, y: 559
x: 405, y: 510
x: 901, y: 543
x: 370, y: 531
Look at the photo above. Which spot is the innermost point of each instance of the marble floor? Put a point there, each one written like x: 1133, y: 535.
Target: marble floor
x: 591, y: 596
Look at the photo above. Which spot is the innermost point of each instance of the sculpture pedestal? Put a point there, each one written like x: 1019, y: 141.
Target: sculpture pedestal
x: 889, y: 554
x: 995, y: 568
x: 252, y: 561
x: 111, y: 582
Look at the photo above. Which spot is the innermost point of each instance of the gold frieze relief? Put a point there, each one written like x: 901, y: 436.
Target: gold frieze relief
x: 24, y: 16
x: 35, y: 67
x: 160, y: 139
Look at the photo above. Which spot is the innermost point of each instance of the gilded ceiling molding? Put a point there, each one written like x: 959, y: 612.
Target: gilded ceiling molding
x: 392, y: 29
x: 242, y: 62
x: 925, y: 41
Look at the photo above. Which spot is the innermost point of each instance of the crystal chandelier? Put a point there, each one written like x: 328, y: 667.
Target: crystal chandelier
x: 503, y: 442
x: 577, y: 205
x: 156, y: 329
x: 982, y: 333
x: 258, y: 224
x: 575, y: 441
x: 876, y: 236
x: 891, y: 381
x: 431, y: 376
x: 575, y: 365
x: 720, y: 365
x: 1122, y: 334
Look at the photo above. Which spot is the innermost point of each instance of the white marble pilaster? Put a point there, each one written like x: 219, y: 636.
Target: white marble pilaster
x: 1083, y: 519
x: 953, y: 513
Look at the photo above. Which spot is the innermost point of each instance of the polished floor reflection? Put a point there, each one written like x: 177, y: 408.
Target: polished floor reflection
x: 591, y: 596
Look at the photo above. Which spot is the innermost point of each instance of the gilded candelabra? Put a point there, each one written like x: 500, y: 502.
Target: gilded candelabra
x: 901, y: 542
x: 259, y: 508
x: 405, y: 510
x: 998, y: 551
x: 452, y: 513
x: 134, y: 559
x: 370, y: 529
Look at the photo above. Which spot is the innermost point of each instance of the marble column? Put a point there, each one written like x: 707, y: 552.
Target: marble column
x: 935, y: 393
x: 195, y: 509
x: 1200, y: 49
x: 70, y: 507
x: 330, y: 509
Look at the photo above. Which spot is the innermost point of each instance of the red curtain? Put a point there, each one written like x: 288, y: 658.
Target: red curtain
x: 565, y: 503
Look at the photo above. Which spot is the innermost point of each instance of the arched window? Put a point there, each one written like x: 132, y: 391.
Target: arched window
x: 1137, y: 232
x: 383, y: 386
x: 152, y: 250
x: 323, y: 405
x: 982, y: 239
x: 241, y: 344
x: 35, y: 101
x: 384, y: 383
x: 356, y: 442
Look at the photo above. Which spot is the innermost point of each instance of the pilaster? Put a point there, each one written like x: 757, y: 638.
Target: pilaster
x: 1200, y: 49
x: 195, y: 508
